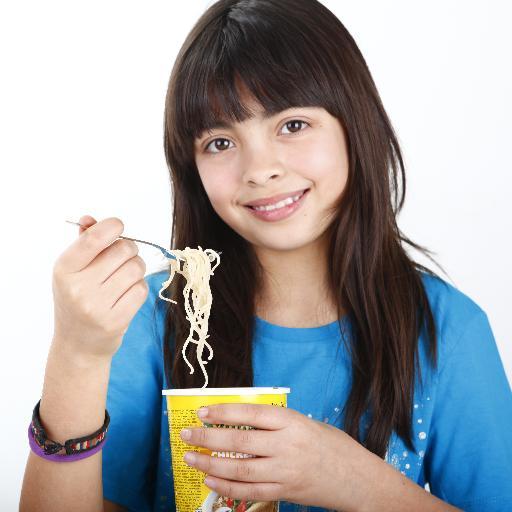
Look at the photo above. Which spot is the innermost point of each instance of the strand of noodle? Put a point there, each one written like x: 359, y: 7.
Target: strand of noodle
x: 196, y: 282
x: 197, y: 270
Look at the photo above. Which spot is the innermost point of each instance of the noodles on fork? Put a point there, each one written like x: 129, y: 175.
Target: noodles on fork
x: 195, y: 265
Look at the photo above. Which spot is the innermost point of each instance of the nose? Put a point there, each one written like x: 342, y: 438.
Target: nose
x: 261, y: 168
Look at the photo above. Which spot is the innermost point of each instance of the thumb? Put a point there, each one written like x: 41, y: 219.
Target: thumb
x: 87, y: 221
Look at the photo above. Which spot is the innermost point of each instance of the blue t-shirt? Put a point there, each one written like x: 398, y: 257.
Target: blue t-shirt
x: 462, y: 417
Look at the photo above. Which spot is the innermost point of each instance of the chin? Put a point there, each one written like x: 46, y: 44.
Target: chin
x: 281, y: 245
x: 280, y: 238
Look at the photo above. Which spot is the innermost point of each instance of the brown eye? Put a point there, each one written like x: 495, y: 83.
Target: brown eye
x: 294, y: 125
x: 219, y: 145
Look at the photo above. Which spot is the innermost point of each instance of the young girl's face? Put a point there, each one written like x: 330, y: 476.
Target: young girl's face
x: 296, y: 149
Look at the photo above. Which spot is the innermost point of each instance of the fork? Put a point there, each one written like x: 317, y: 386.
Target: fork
x: 165, y: 252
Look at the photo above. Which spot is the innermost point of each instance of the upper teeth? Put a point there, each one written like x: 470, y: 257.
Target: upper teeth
x: 280, y: 204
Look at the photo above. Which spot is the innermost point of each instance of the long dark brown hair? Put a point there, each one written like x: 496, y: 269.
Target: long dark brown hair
x: 291, y: 53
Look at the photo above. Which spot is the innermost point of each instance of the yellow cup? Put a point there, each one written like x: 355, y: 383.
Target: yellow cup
x: 190, y: 492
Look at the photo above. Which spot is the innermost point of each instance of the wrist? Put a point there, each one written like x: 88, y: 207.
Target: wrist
x: 71, y: 356
x: 358, y: 480
x: 71, y: 450
x: 74, y: 393
x: 379, y: 486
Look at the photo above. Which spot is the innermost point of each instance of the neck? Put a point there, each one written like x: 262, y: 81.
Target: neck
x: 295, y: 291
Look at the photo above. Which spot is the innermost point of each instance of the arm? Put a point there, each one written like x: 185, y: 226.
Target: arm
x: 382, y: 488
x: 72, y: 405
x: 98, y: 287
x: 333, y: 472
x: 108, y: 506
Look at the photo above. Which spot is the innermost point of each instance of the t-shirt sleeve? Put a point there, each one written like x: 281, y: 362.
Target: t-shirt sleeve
x: 130, y: 454
x: 469, y: 458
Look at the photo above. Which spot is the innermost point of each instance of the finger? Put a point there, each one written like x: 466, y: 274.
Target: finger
x: 110, y: 261
x: 123, y: 279
x: 268, y: 491
x: 131, y: 301
x: 252, y: 442
x: 89, y: 244
x: 263, y: 416
x: 255, y: 469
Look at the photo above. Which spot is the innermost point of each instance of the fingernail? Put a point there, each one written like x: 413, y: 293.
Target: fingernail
x: 202, y: 412
x: 209, y: 482
x: 186, y: 434
x: 190, y: 457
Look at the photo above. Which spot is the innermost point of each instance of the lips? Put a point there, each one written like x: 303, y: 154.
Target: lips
x: 275, y: 199
x: 280, y: 213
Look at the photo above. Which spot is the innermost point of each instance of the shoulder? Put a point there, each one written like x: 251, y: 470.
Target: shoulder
x: 466, y: 416
x: 449, y: 304
x: 455, y: 313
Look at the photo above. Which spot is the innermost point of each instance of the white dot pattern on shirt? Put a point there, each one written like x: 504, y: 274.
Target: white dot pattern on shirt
x: 392, y: 458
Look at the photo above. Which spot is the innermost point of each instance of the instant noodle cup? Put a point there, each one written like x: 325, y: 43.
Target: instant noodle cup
x: 191, y: 494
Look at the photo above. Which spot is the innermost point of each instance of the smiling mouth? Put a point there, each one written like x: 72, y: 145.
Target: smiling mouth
x: 279, y: 204
x: 279, y: 213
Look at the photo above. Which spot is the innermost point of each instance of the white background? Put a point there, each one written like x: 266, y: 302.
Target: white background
x: 81, y: 115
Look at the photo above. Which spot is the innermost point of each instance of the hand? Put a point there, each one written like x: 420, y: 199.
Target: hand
x: 299, y: 459
x: 98, y: 286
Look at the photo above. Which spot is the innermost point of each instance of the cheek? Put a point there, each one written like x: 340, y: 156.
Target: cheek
x: 220, y: 188
x: 326, y: 165
x: 335, y: 177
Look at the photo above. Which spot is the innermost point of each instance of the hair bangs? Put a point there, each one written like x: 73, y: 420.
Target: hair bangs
x: 249, y: 60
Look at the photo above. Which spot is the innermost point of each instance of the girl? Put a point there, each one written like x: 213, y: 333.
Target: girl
x: 282, y: 157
